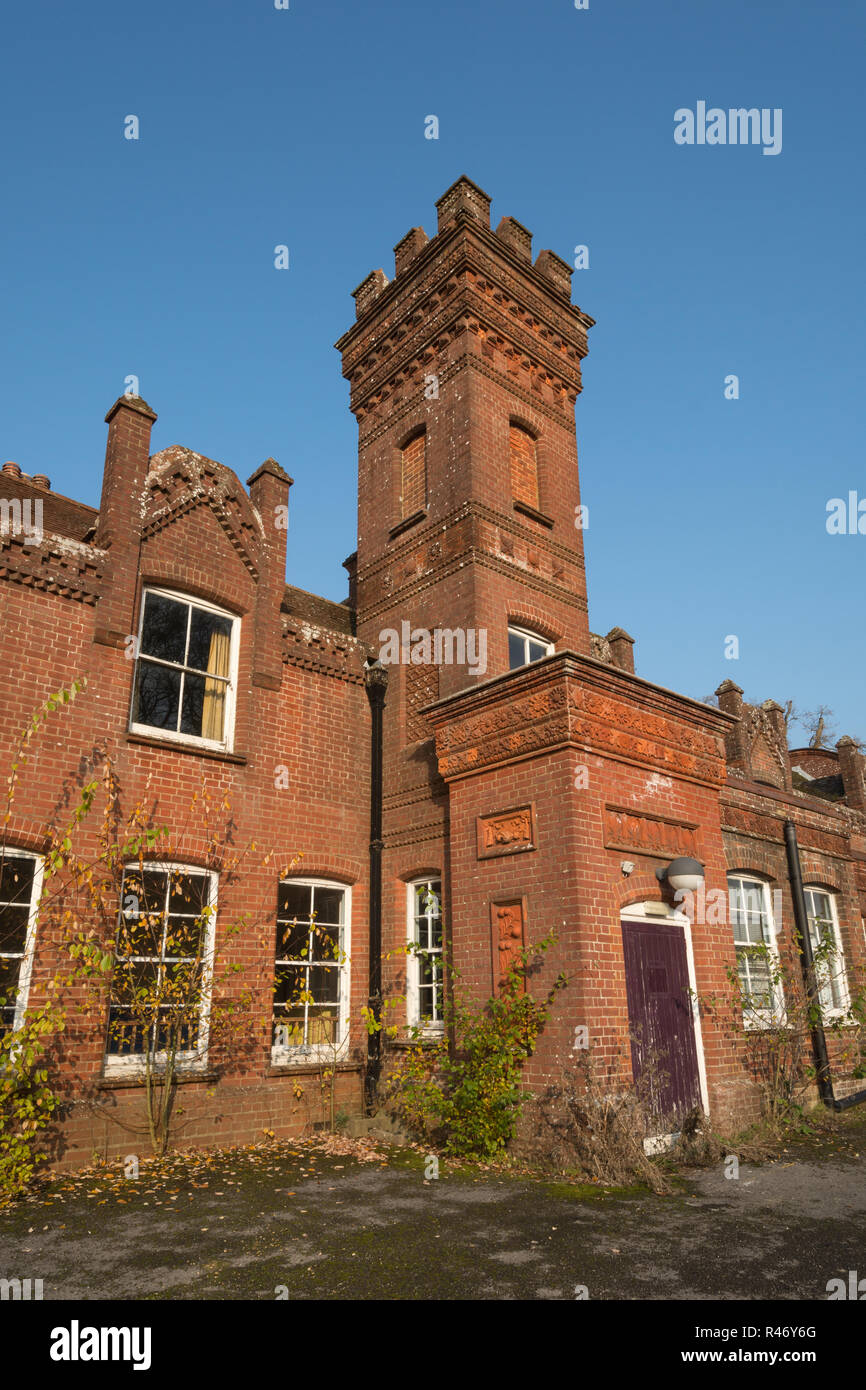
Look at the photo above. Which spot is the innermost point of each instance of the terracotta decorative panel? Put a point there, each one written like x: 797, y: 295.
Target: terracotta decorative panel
x: 656, y: 835
x: 508, y: 937
x: 508, y: 832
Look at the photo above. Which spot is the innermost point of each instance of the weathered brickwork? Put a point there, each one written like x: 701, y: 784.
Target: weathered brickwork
x: 545, y: 797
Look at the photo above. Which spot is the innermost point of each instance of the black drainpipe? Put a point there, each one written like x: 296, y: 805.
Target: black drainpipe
x: 376, y: 682
x: 819, y: 1041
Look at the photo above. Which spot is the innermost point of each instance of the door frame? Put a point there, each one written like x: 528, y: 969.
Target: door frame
x: 637, y: 912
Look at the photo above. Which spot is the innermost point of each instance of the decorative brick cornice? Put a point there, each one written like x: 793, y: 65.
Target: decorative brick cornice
x: 57, y: 565
x: 568, y: 700
x: 770, y: 830
x: 381, y: 418
x: 759, y: 811
x: 419, y: 795
x: 326, y: 653
x: 427, y: 833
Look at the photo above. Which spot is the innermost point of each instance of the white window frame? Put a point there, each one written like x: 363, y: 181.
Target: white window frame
x: 312, y: 1053
x: 119, y: 1064
x: 433, y: 1028
x: 822, y: 981
x: 192, y: 740
x: 528, y: 636
x: 25, y: 969
x: 776, y: 1016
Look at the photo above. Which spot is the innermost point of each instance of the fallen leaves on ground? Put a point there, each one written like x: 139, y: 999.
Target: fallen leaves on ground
x: 211, y: 1173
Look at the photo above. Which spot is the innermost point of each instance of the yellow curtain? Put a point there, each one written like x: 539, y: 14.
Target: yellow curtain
x: 321, y: 1027
x: 213, y: 709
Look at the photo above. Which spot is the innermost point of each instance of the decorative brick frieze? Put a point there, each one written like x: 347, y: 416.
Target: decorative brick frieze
x: 566, y: 699
x: 59, y: 565
x: 646, y: 833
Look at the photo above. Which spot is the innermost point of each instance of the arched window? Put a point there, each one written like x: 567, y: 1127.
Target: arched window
x: 160, y: 989
x: 424, y: 961
x: 413, y: 476
x: 757, y: 953
x: 311, y: 996
x: 830, y: 977
x: 525, y: 646
x: 524, y: 466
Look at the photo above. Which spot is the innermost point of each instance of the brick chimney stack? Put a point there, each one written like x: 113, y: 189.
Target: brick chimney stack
x: 121, y: 513
x: 269, y: 494
x: 730, y: 698
x: 621, y: 649
x: 776, y: 716
x: 852, y: 765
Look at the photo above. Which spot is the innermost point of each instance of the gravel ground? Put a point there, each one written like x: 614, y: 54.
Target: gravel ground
x: 347, y: 1220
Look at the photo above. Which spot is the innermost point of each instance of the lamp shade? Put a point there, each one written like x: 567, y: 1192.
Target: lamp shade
x: 685, y: 874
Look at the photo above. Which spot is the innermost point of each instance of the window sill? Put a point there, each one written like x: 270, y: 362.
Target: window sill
x: 406, y: 523
x: 177, y: 746
x: 534, y: 515
x: 428, y: 1039
x: 116, y: 1081
x: 308, y: 1068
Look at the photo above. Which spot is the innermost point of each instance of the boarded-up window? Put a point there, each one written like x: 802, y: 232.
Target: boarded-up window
x: 413, y: 480
x: 524, y: 467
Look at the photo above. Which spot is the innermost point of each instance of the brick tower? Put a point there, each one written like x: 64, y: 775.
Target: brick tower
x: 464, y: 372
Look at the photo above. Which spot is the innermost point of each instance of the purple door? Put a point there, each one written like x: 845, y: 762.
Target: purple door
x: 664, y: 1054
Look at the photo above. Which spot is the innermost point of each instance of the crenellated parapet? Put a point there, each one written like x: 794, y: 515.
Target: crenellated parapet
x: 466, y: 290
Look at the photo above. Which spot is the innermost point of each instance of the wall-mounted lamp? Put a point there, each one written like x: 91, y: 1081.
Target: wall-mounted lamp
x: 685, y: 874
x: 627, y: 867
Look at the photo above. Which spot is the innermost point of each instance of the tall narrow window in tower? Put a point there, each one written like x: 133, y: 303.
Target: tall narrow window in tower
x: 413, y: 478
x: 524, y: 466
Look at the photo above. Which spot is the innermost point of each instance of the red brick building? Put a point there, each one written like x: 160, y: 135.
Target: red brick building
x: 525, y: 774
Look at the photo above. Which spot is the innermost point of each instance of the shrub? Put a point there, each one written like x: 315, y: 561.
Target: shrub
x: 468, y: 1098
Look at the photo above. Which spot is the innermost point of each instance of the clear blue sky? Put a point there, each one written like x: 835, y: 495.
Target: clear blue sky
x: 306, y: 127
